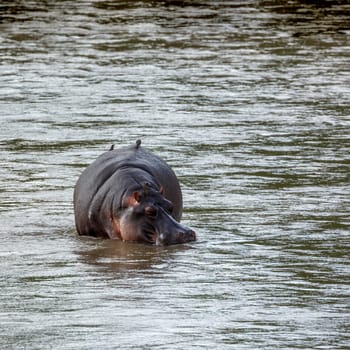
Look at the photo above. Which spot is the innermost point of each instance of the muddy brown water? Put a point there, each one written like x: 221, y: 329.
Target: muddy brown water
x: 248, y: 101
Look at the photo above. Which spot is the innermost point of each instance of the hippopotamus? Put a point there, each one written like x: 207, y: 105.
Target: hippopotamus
x: 130, y: 194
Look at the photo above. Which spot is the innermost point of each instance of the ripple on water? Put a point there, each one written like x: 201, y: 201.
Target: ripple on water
x: 248, y: 102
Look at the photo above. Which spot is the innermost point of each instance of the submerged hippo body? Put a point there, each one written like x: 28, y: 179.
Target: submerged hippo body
x: 133, y: 195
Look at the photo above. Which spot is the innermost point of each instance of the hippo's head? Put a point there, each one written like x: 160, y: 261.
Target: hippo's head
x: 147, y: 216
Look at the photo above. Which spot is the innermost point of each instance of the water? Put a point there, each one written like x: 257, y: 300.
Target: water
x: 248, y: 102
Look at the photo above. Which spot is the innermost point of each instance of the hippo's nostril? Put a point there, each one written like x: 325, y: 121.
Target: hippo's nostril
x: 186, y: 236
x: 191, y: 235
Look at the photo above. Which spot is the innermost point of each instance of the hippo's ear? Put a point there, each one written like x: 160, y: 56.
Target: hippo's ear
x: 161, y: 190
x: 137, y: 196
x: 132, y: 200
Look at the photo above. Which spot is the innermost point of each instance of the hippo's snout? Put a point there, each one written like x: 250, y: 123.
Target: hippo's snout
x: 187, y: 236
x: 182, y: 236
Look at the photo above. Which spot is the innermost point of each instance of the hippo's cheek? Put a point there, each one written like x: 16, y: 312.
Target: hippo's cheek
x: 138, y: 233
x: 128, y: 229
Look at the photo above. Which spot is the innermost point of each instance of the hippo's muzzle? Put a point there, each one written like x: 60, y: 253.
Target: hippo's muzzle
x: 169, y: 231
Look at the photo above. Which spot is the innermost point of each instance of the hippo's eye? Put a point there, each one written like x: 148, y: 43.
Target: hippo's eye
x: 151, y: 211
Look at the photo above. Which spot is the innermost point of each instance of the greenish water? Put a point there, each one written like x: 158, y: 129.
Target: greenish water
x: 248, y: 102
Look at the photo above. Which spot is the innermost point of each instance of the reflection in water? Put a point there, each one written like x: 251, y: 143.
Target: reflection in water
x: 127, y: 257
x: 248, y: 101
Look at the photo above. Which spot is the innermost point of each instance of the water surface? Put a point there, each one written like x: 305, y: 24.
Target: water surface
x: 248, y: 102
